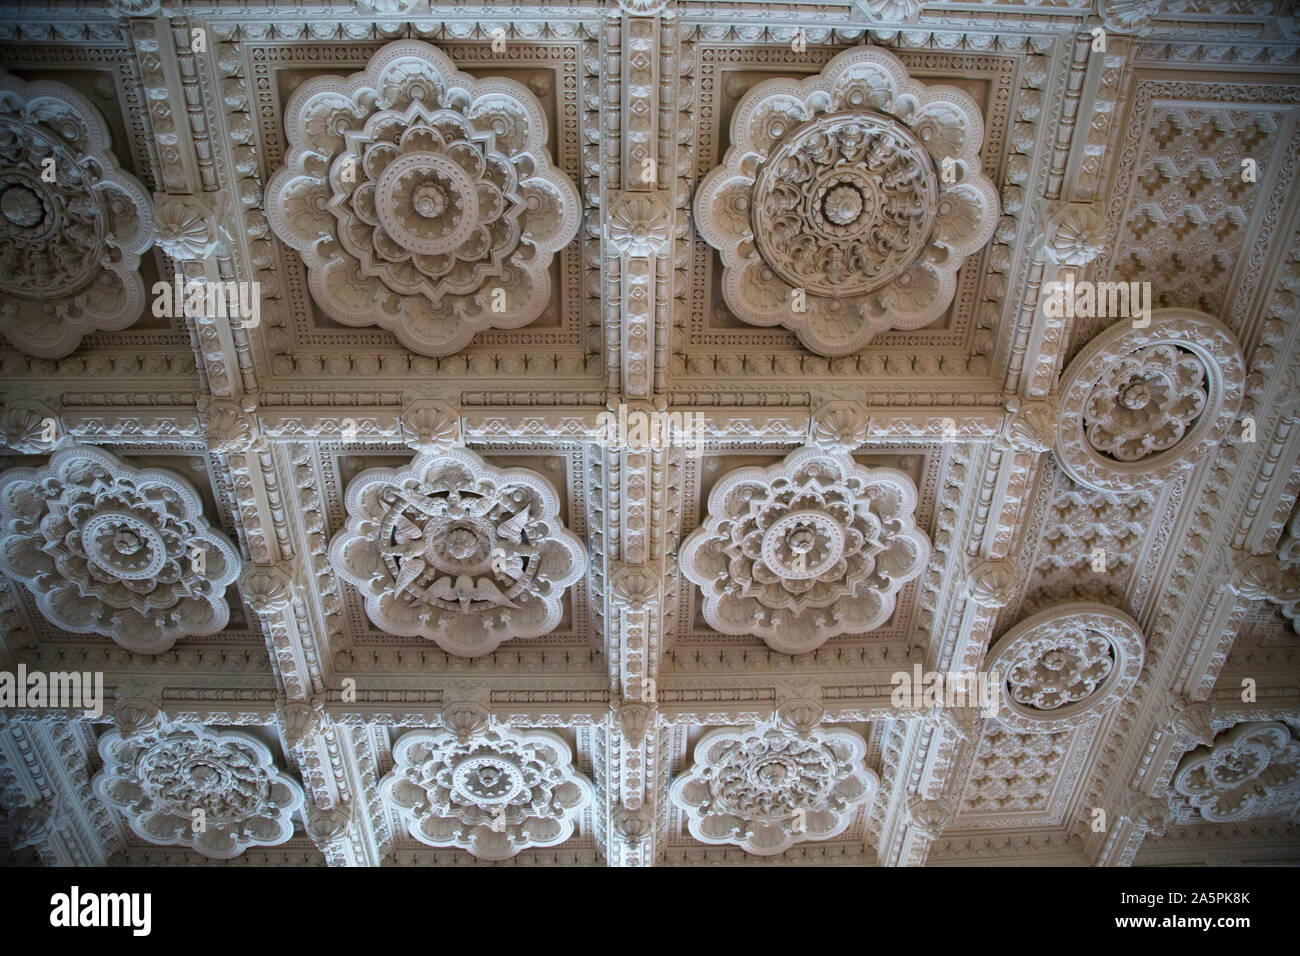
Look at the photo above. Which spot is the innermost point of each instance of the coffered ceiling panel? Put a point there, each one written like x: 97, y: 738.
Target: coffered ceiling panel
x: 649, y: 433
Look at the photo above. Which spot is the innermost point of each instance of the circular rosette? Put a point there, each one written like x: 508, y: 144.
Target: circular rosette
x: 766, y: 789
x: 1237, y: 775
x: 113, y: 550
x: 809, y: 549
x: 1059, y: 667
x: 1141, y: 404
x: 218, y: 792
x: 494, y: 794
x: 422, y: 199
x: 456, y: 551
x: 70, y: 243
x: 847, y: 202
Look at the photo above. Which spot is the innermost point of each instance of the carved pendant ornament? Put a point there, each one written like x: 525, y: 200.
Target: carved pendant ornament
x: 216, y: 791
x: 809, y: 549
x: 456, y: 551
x: 767, y: 788
x: 1244, y: 767
x: 115, y: 550
x: 493, y: 794
x: 1139, y: 405
x: 422, y: 200
x: 847, y: 203
x: 1064, y: 664
x: 72, y: 224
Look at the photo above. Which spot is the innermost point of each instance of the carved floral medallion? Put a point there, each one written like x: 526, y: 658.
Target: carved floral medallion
x: 856, y: 193
x: 806, y: 550
x: 422, y: 200
x: 216, y: 791
x: 494, y: 794
x: 767, y: 788
x: 1238, y: 774
x: 72, y: 223
x: 1140, y: 405
x: 115, y: 550
x: 1064, y: 664
x: 456, y: 551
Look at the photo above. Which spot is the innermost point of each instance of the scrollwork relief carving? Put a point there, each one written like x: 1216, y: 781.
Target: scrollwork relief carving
x: 767, y: 788
x: 805, y: 550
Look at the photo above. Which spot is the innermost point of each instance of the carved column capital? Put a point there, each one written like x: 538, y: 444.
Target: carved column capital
x: 634, y: 588
x: 800, y: 715
x: 639, y: 224
x: 1193, y: 721
x: 931, y: 817
x: 465, y: 719
x: 300, y: 720
x: 635, y: 719
x: 1030, y: 424
x: 137, y: 710
x: 230, y: 426
x: 30, y: 427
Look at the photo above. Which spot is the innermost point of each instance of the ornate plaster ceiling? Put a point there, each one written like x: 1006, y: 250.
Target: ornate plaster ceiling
x: 559, y: 435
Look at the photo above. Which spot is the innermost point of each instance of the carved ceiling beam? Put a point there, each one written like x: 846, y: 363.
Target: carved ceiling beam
x: 1196, y: 618
x: 337, y: 796
x: 638, y: 228
x: 47, y: 794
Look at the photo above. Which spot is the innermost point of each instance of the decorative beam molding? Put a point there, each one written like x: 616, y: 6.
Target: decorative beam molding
x: 1131, y: 819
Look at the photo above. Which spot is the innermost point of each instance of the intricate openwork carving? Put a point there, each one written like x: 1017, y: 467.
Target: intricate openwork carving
x: 494, y: 794
x: 114, y: 550
x: 422, y: 200
x: 805, y: 550
x: 1230, y: 780
x: 216, y: 791
x: 767, y: 788
x: 857, y: 193
x: 1138, y: 405
x: 1063, y: 664
x: 456, y: 551
x: 72, y: 224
